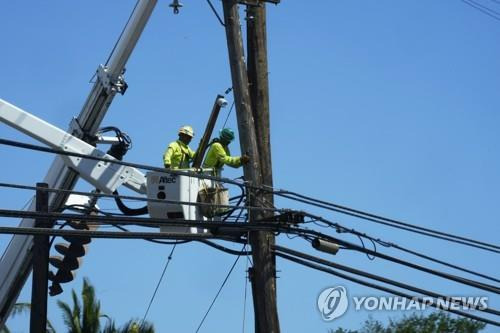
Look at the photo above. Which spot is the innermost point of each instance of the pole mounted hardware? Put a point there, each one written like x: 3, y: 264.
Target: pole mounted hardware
x: 176, y: 5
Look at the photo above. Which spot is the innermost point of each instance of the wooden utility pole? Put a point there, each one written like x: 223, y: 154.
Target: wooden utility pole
x: 259, y: 88
x: 38, y: 318
x: 263, y: 273
x: 259, y: 96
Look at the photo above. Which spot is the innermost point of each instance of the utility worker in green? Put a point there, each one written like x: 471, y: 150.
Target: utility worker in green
x: 178, y: 154
x: 218, y: 155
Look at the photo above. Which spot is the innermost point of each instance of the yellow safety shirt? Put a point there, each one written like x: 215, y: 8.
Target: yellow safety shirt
x: 218, y: 155
x: 178, y: 155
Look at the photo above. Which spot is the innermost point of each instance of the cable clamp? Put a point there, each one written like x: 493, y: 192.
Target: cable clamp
x: 111, y: 84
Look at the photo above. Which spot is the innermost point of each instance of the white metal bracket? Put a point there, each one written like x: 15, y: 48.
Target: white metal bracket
x: 110, y: 83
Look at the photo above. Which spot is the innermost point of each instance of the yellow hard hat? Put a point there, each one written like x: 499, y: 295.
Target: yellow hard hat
x: 188, y: 130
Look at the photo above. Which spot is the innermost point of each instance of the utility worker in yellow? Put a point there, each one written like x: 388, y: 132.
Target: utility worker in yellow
x: 218, y: 155
x: 178, y: 154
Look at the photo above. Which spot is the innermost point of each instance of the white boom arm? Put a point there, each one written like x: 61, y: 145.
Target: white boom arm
x: 105, y: 176
x: 15, y: 263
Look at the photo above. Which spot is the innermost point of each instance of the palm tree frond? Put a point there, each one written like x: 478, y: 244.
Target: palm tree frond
x: 91, y: 309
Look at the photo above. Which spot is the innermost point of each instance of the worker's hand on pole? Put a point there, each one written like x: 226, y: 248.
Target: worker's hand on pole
x: 245, y: 159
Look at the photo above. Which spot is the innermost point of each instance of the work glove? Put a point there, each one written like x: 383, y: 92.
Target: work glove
x: 245, y: 159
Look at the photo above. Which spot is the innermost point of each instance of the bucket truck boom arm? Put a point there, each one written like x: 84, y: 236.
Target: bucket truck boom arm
x: 15, y: 263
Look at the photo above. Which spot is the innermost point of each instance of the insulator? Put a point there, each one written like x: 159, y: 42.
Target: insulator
x: 74, y: 250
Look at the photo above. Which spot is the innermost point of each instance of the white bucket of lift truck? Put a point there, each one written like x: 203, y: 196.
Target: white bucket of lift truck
x: 213, y: 199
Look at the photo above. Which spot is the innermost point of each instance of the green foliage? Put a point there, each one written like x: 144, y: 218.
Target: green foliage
x: 82, y: 318
x: 85, y: 316
x: 132, y: 326
x: 20, y: 308
x: 436, y: 322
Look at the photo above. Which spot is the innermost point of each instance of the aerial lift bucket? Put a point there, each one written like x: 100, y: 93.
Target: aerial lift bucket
x: 176, y: 197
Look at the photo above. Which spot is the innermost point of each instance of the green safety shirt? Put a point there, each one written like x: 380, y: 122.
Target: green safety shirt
x: 218, y: 155
x: 178, y: 155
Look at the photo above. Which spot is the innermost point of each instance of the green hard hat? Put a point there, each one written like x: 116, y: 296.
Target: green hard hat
x: 226, y: 134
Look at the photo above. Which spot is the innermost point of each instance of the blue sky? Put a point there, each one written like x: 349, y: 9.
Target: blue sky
x: 387, y: 106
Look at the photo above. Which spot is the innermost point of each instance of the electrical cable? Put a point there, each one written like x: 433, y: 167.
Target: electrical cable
x: 334, y: 207
x: 228, y: 114
x: 28, y: 146
x: 220, y: 289
x: 245, y: 296
x: 318, y: 260
x: 223, y: 248
x: 241, y: 197
x: 472, y: 283
x: 485, y: 10
x: 152, y: 222
x: 121, y: 34
x: 209, y: 225
x: 444, y: 263
x: 390, y: 222
x: 126, y: 210
x: 382, y: 288
x: 159, y: 282
x: 319, y: 203
x: 115, y: 225
x: 365, y: 215
x: 168, y: 242
x: 342, y: 229
x: 215, y: 12
x: 31, y: 214
x: 28, y: 202
x: 136, y: 198
x: 107, y: 234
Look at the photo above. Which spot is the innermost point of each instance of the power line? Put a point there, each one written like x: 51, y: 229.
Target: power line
x: 315, y: 259
x: 163, y: 235
x: 220, y: 289
x: 472, y: 283
x: 382, y: 288
x: 28, y: 146
x: 341, y: 229
x: 151, y: 222
x: 484, y: 7
x: 240, y: 227
x: 228, y: 114
x: 215, y: 13
x: 122, y: 32
x: 245, y: 296
x: 481, y: 8
x: 305, y: 199
x: 389, y: 222
x: 106, y: 234
x: 159, y: 282
x: 136, y: 198
x: 224, y: 249
x: 444, y: 263
x: 366, y: 215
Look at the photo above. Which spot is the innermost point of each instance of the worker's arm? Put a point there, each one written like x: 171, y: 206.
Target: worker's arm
x: 167, y: 157
x: 222, y: 156
x: 192, y: 154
